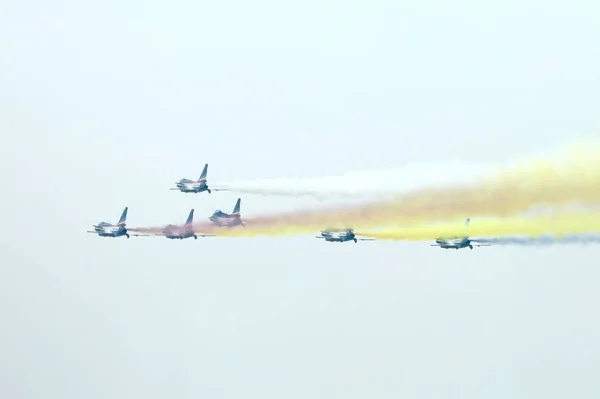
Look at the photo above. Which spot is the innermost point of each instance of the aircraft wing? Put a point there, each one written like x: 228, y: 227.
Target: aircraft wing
x: 220, y: 189
x: 482, y: 245
x: 95, y: 232
x: 366, y: 239
x: 319, y: 237
x: 206, y: 235
x: 140, y: 235
x: 174, y: 188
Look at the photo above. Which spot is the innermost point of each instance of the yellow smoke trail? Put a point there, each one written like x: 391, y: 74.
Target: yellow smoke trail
x: 572, y: 223
x: 574, y: 177
x: 570, y: 177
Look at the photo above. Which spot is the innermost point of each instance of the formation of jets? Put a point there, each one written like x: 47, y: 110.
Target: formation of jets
x: 234, y: 219
x: 177, y: 232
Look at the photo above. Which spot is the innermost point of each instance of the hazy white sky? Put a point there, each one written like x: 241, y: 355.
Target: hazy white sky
x: 104, y: 105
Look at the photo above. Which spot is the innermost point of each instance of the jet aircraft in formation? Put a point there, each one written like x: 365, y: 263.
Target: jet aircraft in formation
x: 222, y: 219
x: 341, y: 235
x: 105, y: 229
x: 458, y: 242
x: 196, y: 186
x: 175, y: 232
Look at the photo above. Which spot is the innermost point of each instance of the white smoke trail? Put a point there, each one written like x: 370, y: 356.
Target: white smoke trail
x: 366, y: 184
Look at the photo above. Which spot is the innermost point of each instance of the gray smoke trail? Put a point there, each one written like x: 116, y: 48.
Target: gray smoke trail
x: 542, y: 240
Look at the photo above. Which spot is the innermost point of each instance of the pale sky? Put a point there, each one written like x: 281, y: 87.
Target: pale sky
x: 104, y: 105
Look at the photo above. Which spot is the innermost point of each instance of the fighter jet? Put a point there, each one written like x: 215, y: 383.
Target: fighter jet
x: 198, y: 186
x: 341, y: 235
x: 105, y: 229
x: 222, y: 219
x: 458, y: 242
x: 175, y: 232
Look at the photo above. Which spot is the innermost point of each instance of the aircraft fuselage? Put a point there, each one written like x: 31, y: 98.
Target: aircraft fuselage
x: 179, y: 234
x: 111, y: 231
x: 193, y: 187
x: 455, y: 243
x: 339, y: 236
x: 226, y: 221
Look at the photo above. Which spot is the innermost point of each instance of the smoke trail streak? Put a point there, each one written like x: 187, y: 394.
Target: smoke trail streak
x: 555, y: 182
x: 364, y: 184
x: 574, y: 179
x: 543, y: 240
x: 560, y: 225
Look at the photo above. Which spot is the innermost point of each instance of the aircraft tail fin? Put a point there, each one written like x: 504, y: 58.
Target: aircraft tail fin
x: 236, y: 208
x: 204, y: 172
x: 467, y: 225
x: 123, y: 218
x: 190, y: 218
